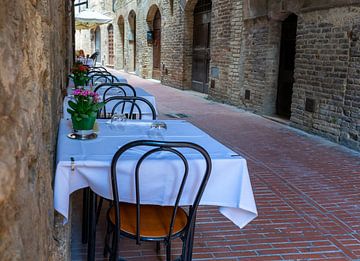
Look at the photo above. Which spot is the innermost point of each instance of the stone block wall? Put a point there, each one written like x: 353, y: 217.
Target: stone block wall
x: 245, y: 50
x: 327, y: 72
x: 36, y: 51
x: 259, y: 65
x: 221, y: 52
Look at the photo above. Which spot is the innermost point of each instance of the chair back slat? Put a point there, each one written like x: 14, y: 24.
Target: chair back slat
x: 157, y: 147
x: 130, y: 106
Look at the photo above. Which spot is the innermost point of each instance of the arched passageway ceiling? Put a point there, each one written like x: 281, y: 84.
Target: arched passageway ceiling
x: 280, y: 9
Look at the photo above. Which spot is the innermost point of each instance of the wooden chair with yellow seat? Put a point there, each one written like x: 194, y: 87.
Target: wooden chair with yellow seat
x: 153, y: 222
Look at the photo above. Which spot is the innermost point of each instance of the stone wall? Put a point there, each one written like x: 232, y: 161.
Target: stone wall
x: 327, y: 72
x: 35, y: 47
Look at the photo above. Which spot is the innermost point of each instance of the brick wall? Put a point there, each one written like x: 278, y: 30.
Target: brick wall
x: 326, y: 71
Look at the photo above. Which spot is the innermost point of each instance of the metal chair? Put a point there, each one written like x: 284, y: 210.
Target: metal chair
x: 131, y: 106
x: 153, y: 222
x: 94, y: 57
x: 120, y: 89
x: 98, y: 69
x: 101, y: 77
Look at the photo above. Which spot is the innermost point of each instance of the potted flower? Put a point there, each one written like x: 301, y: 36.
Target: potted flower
x: 79, y: 74
x: 84, y: 109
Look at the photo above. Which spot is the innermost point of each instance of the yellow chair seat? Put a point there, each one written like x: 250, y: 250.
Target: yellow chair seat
x: 155, y: 220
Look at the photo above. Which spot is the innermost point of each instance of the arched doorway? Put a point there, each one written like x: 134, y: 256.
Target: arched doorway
x: 111, y: 45
x: 122, y: 41
x: 132, y: 41
x: 98, y: 42
x: 286, y: 66
x: 157, y: 46
x: 201, y: 46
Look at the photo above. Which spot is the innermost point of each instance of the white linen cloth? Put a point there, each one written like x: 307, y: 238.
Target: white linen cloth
x: 146, y: 111
x: 228, y: 187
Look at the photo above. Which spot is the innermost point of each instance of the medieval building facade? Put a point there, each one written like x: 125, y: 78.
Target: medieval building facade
x: 296, y: 59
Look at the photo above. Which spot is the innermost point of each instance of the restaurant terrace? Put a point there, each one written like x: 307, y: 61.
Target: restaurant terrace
x: 179, y: 130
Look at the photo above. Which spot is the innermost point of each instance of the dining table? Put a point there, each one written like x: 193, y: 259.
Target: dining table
x: 86, y: 164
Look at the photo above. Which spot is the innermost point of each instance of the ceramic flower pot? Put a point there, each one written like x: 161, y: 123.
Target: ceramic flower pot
x: 83, y: 124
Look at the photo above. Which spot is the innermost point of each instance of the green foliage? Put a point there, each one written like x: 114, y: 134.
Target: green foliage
x: 86, y: 105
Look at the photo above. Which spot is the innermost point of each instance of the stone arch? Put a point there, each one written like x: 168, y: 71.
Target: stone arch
x: 189, y: 20
x: 132, y: 41
x: 151, y: 15
x: 98, y: 43
x: 121, y: 42
x: 188, y: 41
x: 153, y: 20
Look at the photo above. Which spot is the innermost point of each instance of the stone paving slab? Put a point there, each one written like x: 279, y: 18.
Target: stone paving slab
x: 307, y: 189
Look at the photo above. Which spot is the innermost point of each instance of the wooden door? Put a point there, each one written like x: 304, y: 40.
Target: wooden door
x: 201, y: 46
x: 286, y: 67
x: 157, y: 46
x: 111, y: 44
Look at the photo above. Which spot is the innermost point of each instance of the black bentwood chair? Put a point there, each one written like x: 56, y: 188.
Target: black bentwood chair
x: 120, y: 89
x: 153, y: 222
x: 94, y: 56
x: 101, y: 77
x: 131, y: 106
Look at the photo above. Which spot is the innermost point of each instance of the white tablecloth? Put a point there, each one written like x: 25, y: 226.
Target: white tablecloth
x: 146, y: 111
x: 229, y: 185
x: 86, y: 61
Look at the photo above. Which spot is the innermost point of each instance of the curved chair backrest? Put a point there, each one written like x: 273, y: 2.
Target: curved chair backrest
x: 98, y: 69
x: 101, y: 78
x: 175, y: 150
x: 94, y: 56
x: 99, y: 72
x: 132, y: 106
x: 124, y: 89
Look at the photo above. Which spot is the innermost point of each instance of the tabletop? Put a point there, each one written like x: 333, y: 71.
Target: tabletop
x: 228, y: 187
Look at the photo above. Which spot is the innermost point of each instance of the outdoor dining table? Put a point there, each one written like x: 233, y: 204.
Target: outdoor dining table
x: 86, y: 61
x: 146, y: 111
x: 86, y: 164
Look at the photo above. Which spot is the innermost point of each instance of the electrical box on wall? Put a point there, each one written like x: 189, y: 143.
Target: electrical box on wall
x: 149, y: 36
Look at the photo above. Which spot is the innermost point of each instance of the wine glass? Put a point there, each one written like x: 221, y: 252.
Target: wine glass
x: 117, y: 118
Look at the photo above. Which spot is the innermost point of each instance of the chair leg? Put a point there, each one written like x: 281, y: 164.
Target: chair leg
x: 85, y: 216
x: 168, y: 251
x: 158, y: 247
x: 107, y: 237
x: 98, y: 209
x: 113, y: 255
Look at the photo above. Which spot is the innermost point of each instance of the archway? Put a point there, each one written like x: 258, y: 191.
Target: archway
x: 286, y: 66
x: 153, y: 20
x: 157, y: 45
x: 121, y: 24
x: 132, y: 41
x: 98, y: 42
x: 201, y: 46
x: 110, y: 45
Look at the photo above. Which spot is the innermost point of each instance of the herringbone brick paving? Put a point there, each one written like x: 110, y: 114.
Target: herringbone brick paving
x: 306, y: 190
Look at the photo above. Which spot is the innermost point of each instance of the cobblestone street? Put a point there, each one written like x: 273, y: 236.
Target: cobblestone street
x: 306, y: 189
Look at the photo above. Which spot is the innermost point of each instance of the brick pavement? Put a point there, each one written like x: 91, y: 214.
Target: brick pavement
x: 306, y: 190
